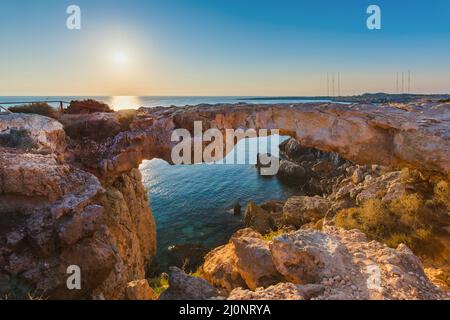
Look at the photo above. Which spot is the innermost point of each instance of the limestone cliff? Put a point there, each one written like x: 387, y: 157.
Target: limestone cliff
x: 71, y: 192
x: 54, y: 214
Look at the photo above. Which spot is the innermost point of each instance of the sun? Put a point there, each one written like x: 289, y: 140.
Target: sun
x: 120, y: 57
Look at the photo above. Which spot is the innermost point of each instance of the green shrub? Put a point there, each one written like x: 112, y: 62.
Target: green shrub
x: 40, y: 108
x: 442, y: 193
x: 159, y: 284
x: 197, y: 273
x: 409, y: 219
x: 273, y: 234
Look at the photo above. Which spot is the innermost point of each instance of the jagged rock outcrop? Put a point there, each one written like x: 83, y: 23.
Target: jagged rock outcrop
x: 296, y: 212
x: 259, y: 219
x: 42, y: 176
x: 47, y: 134
x: 220, y: 266
x: 418, y: 201
x: 280, y: 291
x: 337, y: 264
x: 186, y: 287
x: 320, y: 171
x: 366, y: 184
x: 299, y: 210
x: 307, y: 256
x: 254, y: 262
x: 293, y: 150
x: 130, y: 221
x: 54, y: 214
x: 313, y: 171
x: 291, y: 172
x: 140, y: 290
x: 373, y: 270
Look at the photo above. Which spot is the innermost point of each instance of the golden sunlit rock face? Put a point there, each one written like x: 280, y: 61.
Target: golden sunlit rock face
x: 75, y: 196
x: 366, y: 134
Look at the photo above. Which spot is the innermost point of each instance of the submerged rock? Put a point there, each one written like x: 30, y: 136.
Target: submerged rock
x: 237, y: 209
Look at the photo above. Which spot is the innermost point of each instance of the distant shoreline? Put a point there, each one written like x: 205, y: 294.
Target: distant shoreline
x: 364, y: 98
x: 135, y: 102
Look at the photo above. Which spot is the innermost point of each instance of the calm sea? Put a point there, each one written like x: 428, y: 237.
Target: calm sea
x: 130, y: 102
x: 194, y: 204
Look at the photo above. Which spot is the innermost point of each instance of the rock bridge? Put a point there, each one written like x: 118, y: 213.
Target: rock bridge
x: 417, y: 136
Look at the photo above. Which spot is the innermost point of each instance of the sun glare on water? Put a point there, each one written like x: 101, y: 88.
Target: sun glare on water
x: 125, y: 102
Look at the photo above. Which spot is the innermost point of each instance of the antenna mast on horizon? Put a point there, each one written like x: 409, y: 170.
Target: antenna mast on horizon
x: 403, y: 82
x: 398, y: 88
x: 409, y: 81
x: 333, y: 82
x: 328, y: 84
x: 339, y: 84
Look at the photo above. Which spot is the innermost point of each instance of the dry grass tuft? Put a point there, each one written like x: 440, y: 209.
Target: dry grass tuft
x: 40, y: 108
x: 413, y: 219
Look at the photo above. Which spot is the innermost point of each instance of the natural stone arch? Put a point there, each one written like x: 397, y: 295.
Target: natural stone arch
x: 364, y: 134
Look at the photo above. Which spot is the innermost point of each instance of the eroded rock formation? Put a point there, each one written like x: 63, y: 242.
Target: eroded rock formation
x: 186, y: 287
x: 47, y: 134
x: 79, y: 200
x: 54, y: 214
x: 365, y: 134
x: 328, y: 264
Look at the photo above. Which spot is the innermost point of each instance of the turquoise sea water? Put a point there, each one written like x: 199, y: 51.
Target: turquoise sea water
x: 194, y: 204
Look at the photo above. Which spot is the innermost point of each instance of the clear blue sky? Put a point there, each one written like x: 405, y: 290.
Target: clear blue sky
x: 221, y: 47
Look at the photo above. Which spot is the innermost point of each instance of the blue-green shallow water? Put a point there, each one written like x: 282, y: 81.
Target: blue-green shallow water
x: 194, y: 204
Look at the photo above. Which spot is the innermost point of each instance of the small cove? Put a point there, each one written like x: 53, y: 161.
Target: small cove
x: 193, y: 204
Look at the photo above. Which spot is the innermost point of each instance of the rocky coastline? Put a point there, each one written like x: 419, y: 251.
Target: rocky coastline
x: 71, y: 194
